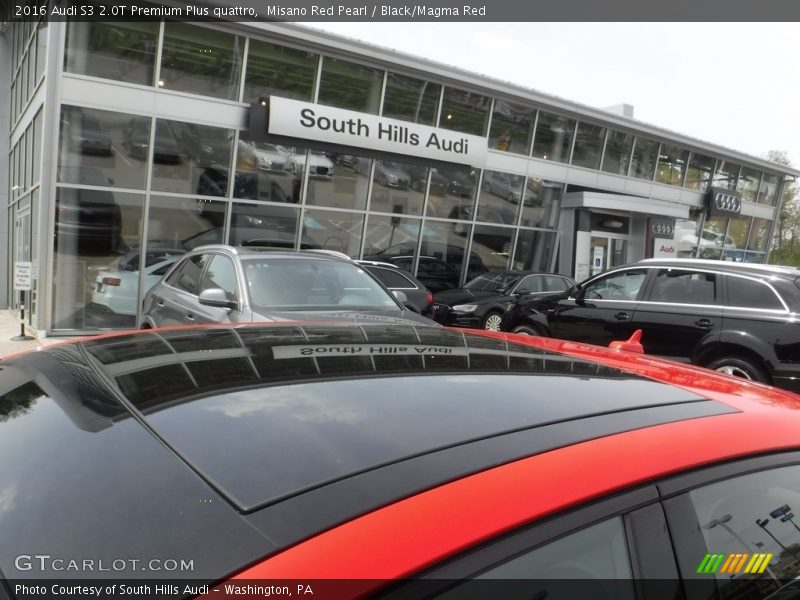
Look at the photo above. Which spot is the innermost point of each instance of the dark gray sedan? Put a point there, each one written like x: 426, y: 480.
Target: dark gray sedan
x: 221, y: 284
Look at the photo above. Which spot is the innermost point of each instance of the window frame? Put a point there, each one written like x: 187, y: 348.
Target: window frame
x: 640, y: 295
x: 168, y: 280
x: 719, y: 296
x: 635, y: 506
x: 728, y: 284
x: 682, y: 520
x: 212, y: 256
x: 374, y: 269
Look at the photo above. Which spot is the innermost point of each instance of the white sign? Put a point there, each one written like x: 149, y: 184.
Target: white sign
x: 23, y: 275
x: 664, y: 248
x: 297, y: 119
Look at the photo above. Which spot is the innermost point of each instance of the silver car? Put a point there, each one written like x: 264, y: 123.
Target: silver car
x: 221, y: 284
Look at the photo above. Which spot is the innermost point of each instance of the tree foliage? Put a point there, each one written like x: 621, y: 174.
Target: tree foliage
x: 786, y: 243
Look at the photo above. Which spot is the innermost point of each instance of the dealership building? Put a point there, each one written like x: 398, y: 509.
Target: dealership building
x: 129, y: 144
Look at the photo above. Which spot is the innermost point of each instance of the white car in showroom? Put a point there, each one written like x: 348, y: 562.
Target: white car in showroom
x: 116, y: 289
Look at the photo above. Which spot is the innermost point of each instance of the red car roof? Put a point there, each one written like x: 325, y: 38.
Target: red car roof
x: 409, y: 535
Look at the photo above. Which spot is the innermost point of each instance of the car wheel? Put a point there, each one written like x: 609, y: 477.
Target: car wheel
x: 738, y: 366
x: 492, y: 321
x: 526, y: 330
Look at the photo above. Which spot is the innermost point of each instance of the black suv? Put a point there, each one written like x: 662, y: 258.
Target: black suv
x: 737, y: 318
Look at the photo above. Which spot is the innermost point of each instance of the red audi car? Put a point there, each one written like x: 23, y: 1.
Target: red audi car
x: 395, y: 462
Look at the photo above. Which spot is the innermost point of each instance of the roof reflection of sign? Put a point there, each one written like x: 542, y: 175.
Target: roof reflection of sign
x: 284, y: 352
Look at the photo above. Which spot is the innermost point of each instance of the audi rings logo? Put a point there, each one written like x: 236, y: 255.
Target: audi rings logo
x: 663, y: 229
x: 727, y: 203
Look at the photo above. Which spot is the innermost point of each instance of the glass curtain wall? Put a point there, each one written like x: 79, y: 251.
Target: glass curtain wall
x: 179, y: 184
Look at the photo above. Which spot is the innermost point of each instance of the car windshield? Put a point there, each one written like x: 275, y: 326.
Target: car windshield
x: 494, y: 282
x: 311, y: 284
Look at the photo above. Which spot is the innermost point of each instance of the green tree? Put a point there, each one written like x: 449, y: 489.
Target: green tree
x: 786, y: 243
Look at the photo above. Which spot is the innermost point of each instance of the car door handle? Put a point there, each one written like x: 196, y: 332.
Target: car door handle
x: 704, y: 324
x: 160, y: 303
x: 190, y: 317
x: 622, y: 316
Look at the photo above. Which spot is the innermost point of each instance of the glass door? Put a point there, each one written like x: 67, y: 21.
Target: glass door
x: 606, y: 252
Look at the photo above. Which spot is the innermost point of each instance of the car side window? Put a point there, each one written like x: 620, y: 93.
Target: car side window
x: 555, y: 284
x: 624, y: 285
x: 531, y: 284
x: 186, y: 277
x: 684, y: 287
x: 392, y: 279
x: 221, y: 274
x: 748, y: 293
x: 162, y: 270
x: 598, y: 553
x: 751, y: 532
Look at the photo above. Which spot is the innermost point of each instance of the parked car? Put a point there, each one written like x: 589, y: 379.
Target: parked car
x: 394, y: 278
x: 391, y: 174
x: 136, y: 141
x: 271, y: 157
x: 461, y: 182
x: 736, y: 318
x: 508, y: 187
x: 483, y: 300
x: 407, y: 462
x: 116, y: 289
x: 85, y: 134
x: 319, y: 165
x: 218, y: 283
x: 419, y: 179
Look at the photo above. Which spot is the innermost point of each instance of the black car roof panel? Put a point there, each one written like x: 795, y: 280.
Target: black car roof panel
x: 266, y: 413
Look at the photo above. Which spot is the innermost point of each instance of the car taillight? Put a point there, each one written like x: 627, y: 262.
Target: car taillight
x: 115, y: 281
x: 429, y: 298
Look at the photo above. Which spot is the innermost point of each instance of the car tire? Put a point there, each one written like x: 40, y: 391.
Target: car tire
x: 739, y: 366
x: 491, y: 322
x: 527, y: 330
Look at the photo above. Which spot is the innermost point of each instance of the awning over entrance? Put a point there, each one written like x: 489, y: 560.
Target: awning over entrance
x: 632, y: 204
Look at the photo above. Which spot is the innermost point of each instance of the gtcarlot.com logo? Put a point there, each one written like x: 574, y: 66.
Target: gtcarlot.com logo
x: 743, y: 562
x: 46, y: 562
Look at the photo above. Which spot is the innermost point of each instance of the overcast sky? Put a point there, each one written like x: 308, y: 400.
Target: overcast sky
x: 733, y: 84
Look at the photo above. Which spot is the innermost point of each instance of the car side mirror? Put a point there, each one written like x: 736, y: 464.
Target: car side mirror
x: 217, y: 298
x: 580, y: 295
x: 522, y: 292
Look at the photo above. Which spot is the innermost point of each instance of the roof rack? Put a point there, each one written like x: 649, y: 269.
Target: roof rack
x: 726, y: 263
x: 334, y: 253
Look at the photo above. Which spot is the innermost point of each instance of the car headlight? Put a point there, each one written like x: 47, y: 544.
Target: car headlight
x: 465, y: 308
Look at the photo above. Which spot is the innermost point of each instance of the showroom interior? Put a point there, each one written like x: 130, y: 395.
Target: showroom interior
x: 130, y: 144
